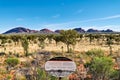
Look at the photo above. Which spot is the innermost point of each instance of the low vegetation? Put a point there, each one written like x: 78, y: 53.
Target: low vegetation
x: 23, y: 56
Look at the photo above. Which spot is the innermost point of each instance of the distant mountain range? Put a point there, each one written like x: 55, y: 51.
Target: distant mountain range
x: 25, y: 30
x: 20, y: 30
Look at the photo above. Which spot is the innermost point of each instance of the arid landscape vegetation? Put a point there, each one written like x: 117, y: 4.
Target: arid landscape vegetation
x: 59, y: 39
x: 23, y: 56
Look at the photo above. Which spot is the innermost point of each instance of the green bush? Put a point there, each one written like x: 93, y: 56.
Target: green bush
x: 95, y: 53
x: 12, y: 61
x: 8, y: 77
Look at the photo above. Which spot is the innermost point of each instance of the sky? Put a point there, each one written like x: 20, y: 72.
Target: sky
x: 60, y: 14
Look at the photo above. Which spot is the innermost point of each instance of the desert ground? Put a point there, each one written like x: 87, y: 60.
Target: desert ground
x: 81, y: 46
x: 77, y: 54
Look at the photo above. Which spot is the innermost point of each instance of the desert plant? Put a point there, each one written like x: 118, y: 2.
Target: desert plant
x: 95, y: 53
x: 57, y: 38
x: 15, y: 38
x: 69, y: 37
x: 41, y: 75
x: 50, y: 38
x: 114, y: 75
x: 100, y: 68
x: 41, y: 39
x: 25, y: 45
x: 91, y: 37
x: 11, y: 63
x: 109, y: 42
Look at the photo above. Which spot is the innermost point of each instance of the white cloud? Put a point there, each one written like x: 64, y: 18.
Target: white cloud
x: 71, y: 26
x: 113, y: 27
x: 110, y: 17
x: 104, y: 27
x: 74, y: 24
x: 90, y: 20
x: 104, y: 18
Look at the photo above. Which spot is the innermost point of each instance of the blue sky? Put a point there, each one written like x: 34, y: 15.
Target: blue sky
x: 60, y: 14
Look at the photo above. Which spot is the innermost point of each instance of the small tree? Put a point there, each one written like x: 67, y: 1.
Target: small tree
x: 117, y: 39
x: 98, y: 37
x: 25, y: 45
x: 15, y: 38
x: 109, y: 42
x: 50, y: 37
x: 57, y: 38
x: 69, y: 37
x: 81, y: 36
x: 91, y: 37
x: 41, y: 39
x: 3, y: 41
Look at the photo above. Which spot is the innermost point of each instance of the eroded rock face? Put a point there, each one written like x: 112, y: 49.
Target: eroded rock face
x: 92, y: 30
x: 79, y: 30
x: 20, y: 30
x: 48, y: 31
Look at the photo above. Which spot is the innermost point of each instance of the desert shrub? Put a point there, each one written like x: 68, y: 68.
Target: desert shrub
x: 42, y: 74
x: 26, y: 64
x: 2, y: 71
x: 114, y: 74
x: 95, y: 53
x: 12, y: 62
x: 100, y: 67
x: 25, y: 45
x: 8, y: 77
